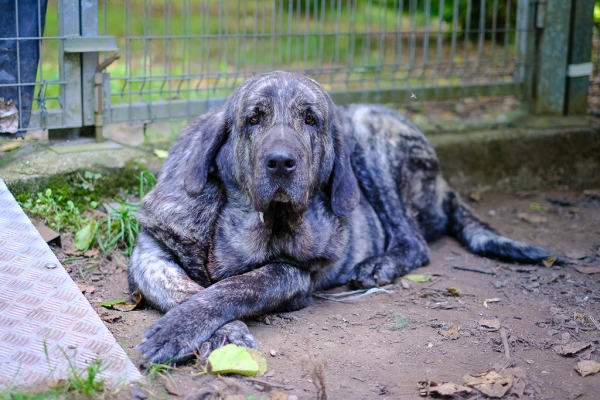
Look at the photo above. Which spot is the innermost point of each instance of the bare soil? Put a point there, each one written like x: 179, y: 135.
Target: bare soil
x: 361, y: 350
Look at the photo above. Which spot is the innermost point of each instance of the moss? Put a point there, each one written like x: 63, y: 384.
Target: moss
x: 114, y: 181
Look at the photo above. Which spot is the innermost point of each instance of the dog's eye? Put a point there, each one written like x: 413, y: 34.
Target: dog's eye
x: 310, y: 121
x: 253, y: 120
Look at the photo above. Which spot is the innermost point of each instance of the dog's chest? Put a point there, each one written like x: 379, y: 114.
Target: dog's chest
x: 242, y: 242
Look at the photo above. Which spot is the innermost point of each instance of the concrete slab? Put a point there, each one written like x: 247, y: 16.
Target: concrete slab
x: 80, y: 148
x: 46, y: 324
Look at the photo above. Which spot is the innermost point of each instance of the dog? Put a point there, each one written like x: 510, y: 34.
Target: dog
x: 279, y: 193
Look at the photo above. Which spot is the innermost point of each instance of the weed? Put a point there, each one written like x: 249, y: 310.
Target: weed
x: 55, y: 210
x: 89, y: 180
x: 88, y: 383
x: 120, y: 227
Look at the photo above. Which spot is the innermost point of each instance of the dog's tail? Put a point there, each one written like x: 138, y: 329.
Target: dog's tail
x: 483, y: 240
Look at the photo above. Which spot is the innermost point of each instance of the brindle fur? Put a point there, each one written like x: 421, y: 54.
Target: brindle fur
x: 363, y: 197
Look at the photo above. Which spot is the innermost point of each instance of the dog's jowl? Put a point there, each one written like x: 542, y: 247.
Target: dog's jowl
x: 278, y: 193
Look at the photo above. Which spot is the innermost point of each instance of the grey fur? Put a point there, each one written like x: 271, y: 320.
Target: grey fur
x: 278, y: 193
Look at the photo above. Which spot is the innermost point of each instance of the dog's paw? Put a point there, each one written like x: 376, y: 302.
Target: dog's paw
x: 374, y: 271
x: 235, y: 332
x: 177, y: 335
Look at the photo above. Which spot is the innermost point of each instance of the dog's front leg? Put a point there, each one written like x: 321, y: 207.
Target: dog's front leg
x: 184, y: 329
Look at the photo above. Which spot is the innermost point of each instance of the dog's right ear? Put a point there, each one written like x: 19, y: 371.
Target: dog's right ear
x: 212, y: 135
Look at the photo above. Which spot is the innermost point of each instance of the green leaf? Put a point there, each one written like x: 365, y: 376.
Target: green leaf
x: 110, y: 303
x: 233, y: 359
x: 161, y: 153
x: 85, y: 236
x: 421, y: 278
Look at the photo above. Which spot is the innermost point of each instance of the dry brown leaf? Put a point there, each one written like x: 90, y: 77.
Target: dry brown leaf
x: 86, y: 288
x: 170, y: 387
x: 588, y: 270
x: 450, y: 389
x: 91, y: 252
x: 570, y: 348
x: 451, y: 333
x: 548, y: 262
x: 490, y: 383
x: 136, y: 297
x: 454, y: 291
x: 278, y: 395
x: 587, y: 367
x: 10, y: 146
x: 531, y: 218
x: 490, y: 324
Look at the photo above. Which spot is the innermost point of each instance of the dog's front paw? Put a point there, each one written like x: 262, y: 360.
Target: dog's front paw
x: 235, y: 332
x: 374, y: 271
x: 177, y: 335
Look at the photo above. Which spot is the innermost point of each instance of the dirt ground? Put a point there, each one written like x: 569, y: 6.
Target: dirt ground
x: 361, y: 350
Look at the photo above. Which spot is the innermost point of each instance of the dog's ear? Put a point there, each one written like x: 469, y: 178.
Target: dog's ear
x: 345, y: 193
x: 212, y: 135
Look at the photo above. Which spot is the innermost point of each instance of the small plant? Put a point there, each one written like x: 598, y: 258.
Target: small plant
x: 89, y: 180
x: 120, y: 227
x: 56, y: 211
x: 88, y: 383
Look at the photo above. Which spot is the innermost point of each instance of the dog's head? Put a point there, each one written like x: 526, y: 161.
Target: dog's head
x: 279, y: 141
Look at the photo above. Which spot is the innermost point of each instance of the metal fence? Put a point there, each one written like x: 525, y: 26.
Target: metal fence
x: 180, y: 57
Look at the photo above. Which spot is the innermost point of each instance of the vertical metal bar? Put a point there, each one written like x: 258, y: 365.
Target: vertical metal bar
x: 553, y: 59
x: 494, y: 31
x: 20, y: 88
x: 481, y: 35
x: 69, y: 14
x: 438, y: 58
x: 580, y: 52
x: 89, y: 61
x: 412, y: 14
x: 454, y: 37
x: 467, y: 35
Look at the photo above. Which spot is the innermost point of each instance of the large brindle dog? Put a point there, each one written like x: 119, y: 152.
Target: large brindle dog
x: 279, y: 193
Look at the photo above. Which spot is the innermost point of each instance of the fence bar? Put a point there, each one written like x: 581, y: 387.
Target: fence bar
x: 552, y: 60
x: 89, y: 27
x: 580, y: 54
x: 68, y: 13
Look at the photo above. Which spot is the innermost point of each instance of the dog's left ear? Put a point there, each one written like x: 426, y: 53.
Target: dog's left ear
x: 345, y: 193
x: 212, y: 134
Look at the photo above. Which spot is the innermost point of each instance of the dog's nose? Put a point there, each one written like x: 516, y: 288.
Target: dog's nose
x: 280, y: 163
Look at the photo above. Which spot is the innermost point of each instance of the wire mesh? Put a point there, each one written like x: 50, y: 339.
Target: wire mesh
x: 29, y: 65
x: 594, y: 89
x: 179, y: 52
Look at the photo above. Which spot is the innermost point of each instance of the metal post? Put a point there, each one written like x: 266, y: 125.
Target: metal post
x: 89, y: 27
x: 580, y: 57
x: 552, y: 29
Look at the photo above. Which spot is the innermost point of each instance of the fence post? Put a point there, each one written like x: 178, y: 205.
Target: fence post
x: 580, y: 57
x: 89, y: 61
x: 68, y: 13
x: 552, y: 23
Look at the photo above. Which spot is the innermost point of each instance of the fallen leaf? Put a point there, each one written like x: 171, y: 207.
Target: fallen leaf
x: 576, y: 254
x: 86, y: 288
x: 493, y: 300
x: 278, y: 395
x: 111, y: 303
x: 531, y: 218
x: 475, y: 197
x: 588, y: 270
x: 449, y: 389
x: 161, y: 153
x: 570, y: 348
x: 454, y: 291
x: 170, y: 386
x: 538, y: 207
x: 451, y: 333
x: 548, y: 262
x: 92, y: 252
x: 405, y: 284
x: 490, y: 383
x: 136, y: 298
x: 233, y: 359
x: 490, y: 324
x: 587, y: 367
x: 10, y: 146
x: 421, y: 278
x: 85, y: 236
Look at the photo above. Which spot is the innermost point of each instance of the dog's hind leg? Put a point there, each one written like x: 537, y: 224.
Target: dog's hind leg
x: 183, y: 330
x: 155, y: 273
